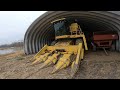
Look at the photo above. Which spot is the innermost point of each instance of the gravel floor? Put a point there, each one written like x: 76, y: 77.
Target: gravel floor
x: 96, y: 65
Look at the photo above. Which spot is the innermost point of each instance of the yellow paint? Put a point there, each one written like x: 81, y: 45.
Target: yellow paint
x: 82, y: 53
x: 68, y: 36
x: 85, y: 43
x: 51, y: 60
x: 42, y: 58
x: 78, y: 54
x: 49, y: 54
x: 70, y: 48
x: 75, y: 36
x: 74, y: 27
x: 62, y: 63
x: 40, y: 52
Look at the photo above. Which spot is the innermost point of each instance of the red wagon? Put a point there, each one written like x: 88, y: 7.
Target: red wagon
x: 104, y: 40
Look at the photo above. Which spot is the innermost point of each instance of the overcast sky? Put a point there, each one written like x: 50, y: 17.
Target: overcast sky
x: 13, y: 24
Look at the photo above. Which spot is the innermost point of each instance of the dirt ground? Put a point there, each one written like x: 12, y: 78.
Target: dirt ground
x: 96, y: 65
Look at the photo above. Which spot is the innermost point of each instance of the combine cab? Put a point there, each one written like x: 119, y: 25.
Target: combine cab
x: 69, y: 42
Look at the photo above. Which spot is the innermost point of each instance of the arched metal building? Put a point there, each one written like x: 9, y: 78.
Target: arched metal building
x: 41, y: 31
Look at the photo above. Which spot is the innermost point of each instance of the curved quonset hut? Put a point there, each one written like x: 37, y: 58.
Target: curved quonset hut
x: 41, y: 31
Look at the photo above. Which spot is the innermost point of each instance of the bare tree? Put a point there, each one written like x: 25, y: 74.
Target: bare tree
x: 14, y: 44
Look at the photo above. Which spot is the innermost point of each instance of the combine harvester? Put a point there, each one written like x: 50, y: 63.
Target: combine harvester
x: 66, y: 50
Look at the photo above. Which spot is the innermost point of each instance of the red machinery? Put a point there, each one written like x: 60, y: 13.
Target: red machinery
x: 104, y: 40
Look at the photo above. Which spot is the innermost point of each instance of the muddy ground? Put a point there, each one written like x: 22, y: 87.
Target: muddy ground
x: 96, y: 65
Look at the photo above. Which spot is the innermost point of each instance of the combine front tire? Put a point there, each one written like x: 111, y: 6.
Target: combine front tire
x: 53, y: 43
x: 113, y: 46
x: 78, y: 41
x: 117, y: 45
x: 94, y: 48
